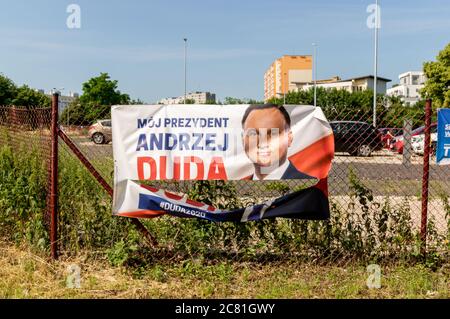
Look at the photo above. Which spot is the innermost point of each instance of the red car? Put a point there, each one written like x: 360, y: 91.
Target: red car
x: 388, y: 135
x: 397, y: 143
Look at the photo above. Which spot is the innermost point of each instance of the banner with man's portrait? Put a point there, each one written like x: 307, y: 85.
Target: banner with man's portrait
x: 219, y: 142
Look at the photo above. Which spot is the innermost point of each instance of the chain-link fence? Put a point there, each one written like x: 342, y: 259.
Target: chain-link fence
x: 375, y: 192
x: 25, y: 142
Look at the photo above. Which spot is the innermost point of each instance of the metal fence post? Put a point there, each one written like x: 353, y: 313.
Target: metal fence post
x: 54, y: 179
x: 426, y: 175
x: 407, y: 150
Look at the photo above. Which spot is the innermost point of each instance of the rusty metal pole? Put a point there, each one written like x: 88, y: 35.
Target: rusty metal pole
x: 149, y: 237
x: 54, y: 179
x: 425, y: 178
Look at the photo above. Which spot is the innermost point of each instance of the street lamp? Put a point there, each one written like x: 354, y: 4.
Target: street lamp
x: 185, y: 76
x: 375, y: 80
x: 315, y: 73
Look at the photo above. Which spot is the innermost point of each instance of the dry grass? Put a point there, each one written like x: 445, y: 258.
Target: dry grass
x: 24, y: 274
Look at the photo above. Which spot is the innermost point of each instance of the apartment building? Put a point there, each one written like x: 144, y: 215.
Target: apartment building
x: 408, y: 89
x: 356, y: 84
x: 198, y: 97
x: 284, y: 72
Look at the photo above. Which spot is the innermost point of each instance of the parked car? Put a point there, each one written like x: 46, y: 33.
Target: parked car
x: 418, y: 145
x: 356, y: 138
x: 397, y: 143
x: 100, y: 132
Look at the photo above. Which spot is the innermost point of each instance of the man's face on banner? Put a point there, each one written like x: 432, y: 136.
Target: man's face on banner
x: 266, y: 137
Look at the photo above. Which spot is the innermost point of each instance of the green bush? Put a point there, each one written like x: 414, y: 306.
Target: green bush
x: 23, y: 196
x: 123, y: 249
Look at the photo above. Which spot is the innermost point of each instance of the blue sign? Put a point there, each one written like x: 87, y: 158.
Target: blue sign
x: 443, y: 141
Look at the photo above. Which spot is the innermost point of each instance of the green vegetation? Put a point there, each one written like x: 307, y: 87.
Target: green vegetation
x: 437, y: 86
x: 102, y: 90
x: 233, y: 100
x: 7, y: 90
x: 25, y: 274
x: 189, y: 101
x: 28, y: 97
x: 99, y: 93
x: 22, y: 96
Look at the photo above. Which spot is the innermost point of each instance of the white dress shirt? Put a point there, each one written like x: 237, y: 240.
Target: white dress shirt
x: 277, y: 173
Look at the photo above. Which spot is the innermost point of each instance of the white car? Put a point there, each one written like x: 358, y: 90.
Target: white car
x: 417, y: 142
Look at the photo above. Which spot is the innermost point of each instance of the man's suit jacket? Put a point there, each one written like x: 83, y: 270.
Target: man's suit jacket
x: 292, y: 173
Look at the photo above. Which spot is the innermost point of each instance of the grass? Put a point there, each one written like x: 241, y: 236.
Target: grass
x: 25, y: 274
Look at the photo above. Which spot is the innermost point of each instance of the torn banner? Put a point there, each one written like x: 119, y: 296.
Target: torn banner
x: 219, y: 142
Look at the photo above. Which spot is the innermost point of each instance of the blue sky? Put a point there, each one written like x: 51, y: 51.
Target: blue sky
x: 231, y: 42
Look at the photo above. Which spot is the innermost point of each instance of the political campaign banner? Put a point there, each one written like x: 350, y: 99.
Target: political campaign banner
x: 219, y: 142
x: 443, y: 137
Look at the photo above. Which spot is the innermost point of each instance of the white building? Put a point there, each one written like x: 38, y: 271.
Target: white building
x: 198, y: 97
x: 408, y: 89
x: 352, y: 85
x: 171, y: 100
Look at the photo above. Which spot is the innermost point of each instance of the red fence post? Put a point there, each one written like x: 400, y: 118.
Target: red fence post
x: 54, y: 179
x: 425, y: 178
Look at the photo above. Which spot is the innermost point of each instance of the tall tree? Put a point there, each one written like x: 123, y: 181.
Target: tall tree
x: 102, y: 90
x: 99, y: 93
x: 7, y: 90
x: 28, y: 97
x: 437, y: 86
